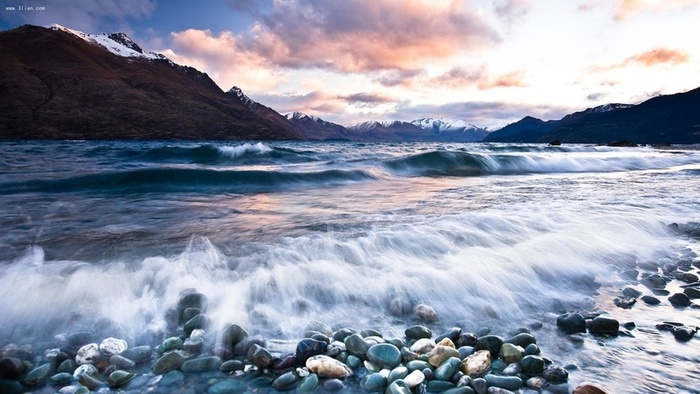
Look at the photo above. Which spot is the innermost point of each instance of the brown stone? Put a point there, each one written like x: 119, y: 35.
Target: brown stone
x: 589, y: 388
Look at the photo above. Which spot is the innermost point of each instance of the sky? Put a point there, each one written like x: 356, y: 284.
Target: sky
x: 487, y: 62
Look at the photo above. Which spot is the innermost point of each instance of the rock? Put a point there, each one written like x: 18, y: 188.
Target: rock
x: 343, y: 333
x: 11, y: 368
x: 414, y: 378
x: 121, y: 362
x: 512, y: 369
x: 171, y: 379
x: 308, y: 384
x: 398, y: 387
x: 259, y: 356
x: 193, y: 345
x: 492, y: 343
x: 604, y: 325
x: 417, y: 365
x: 228, y: 386
x: 233, y: 334
x: 522, y: 340
x: 536, y: 383
x: 555, y: 374
x: 498, y: 390
x: 440, y: 354
x: 480, y: 385
x: 169, y: 344
x: 686, y: 277
x: 452, y: 333
x: 571, y: 323
x: 39, y: 375
x: 631, y: 292
x: 397, y: 373
x: 679, y: 300
x: 418, y: 332
x: 385, y: 355
x: 84, y: 369
x: 439, y: 386
x: 91, y: 382
x: 88, y: 354
x: 654, y: 281
x: 650, y: 300
x: 692, y: 292
x: 589, y: 388
x: 465, y: 351
x: 425, y: 313
x: 511, y: 353
x: 119, y: 378
x: 138, y: 354
x: 242, y: 347
x: 423, y: 345
x: 374, y: 382
x: 467, y: 339
x: 112, y: 346
x: 11, y: 386
x: 353, y: 361
x: 624, y: 303
x: 532, y: 350
x: 478, y: 364
x: 446, y: 342
x: 631, y: 274
x: 61, y: 379
x: 308, y: 348
x: 232, y: 365
x: 318, y: 326
x: 285, y: 381
x: 191, y: 300
x: 684, y: 334
x: 532, y: 365
x: 200, y: 321
x: 326, y: 367
x: 201, y: 364
x: 460, y: 390
x: 356, y: 345
x: 169, y: 361
x: 504, y: 382
x: 448, y: 368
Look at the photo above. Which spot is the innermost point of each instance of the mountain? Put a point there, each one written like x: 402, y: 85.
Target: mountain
x: 425, y: 129
x: 451, y: 129
x: 388, y: 131
x: 57, y: 83
x: 315, y: 128
x: 672, y: 119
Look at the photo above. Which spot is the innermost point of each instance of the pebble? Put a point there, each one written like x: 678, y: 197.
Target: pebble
x: 447, y: 369
x: 168, y: 362
x: 692, y: 292
x: 112, y: 346
x: 589, y: 388
x: 532, y: 365
x: 61, y: 379
x: 11, y: 368
x: 326, y: 367
x: 398, y: 387
x: 418, y: 332
x: 201, y: 364
x: 504, y: 382
x: 138, y: 354
x: 374, y: 382
x: 651, y: 300
x: 453, y: 334
x: 604, y: 325
x: 492, y: 343
x: 119, y: 378
x: 480, y: 385
x: 631, y: 292
x: 679, y: 300
x: 522, y: 340
x: 414, y: 378
x: 87, y: 354
x: 477, y: 364
x: 356, y: 345
x: 440, y: 354
x: 684, y: 334
x: 308, y: 348
x: 84, y: 369
x: 536, y: 383
x: 571, y: 323
x: 308, y: 384
x: 511, y: 353
x: 423, y: 345
x: 397, y: 373
x: 233, y: 334
x: 385, y: 355
x: 426, y: 313
x: 285, y: 381
x: 624, y: 303
x: 555, y: 374
x: 121, y: 362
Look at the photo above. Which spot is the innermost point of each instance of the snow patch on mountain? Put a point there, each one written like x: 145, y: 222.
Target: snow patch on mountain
x: 247, y: 101
x: 296, y: 115
x: 117, y: 43
x: 442, y: 125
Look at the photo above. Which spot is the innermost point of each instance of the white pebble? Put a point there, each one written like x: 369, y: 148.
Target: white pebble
x: 111, y: 346
x: 87, y: 354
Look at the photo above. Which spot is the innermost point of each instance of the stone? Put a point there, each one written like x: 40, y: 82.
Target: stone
x: 440, y: 354
x: 353, y: 361
x: 169, y: 361
x: 448, y: 368
x: 169, y: 344
x: 111, y: 346
x: 480, y: 385
x: 88, y: 354
x: 417, y: 365
x: 385, y: 355
x: 91, y: 382
x: 679, y: 300
x: 439, y: 386
x: 242, y: 347
x: 452, y: 333
x: 631, y: 292
x: 624, y: 303
x: 478, y: 364
x: 356, y: 345
x: 285, y: 381
x: 191, y: 300
x: 555, y: 374
x: 512, y: 369
x: 374, y: 382
x: 84, y: 369
x: 418, y: 332
x: 119, y: 378
x: 201, y: 364
x: 467, y: 339
x: 343, y: 333
x: 604, y: 325
x: 460, y: 390
x: 232, y: 365
x: 309, y: 384
x: 233, y: 334
x: 654, y: 281
x: 121, y: 362
x: 308, y: 348
x: 285, y: 362
x: 332, y: 385
x: 61, y: 379
x: 11, y: 386
x: 532, y: 365
x: 259, y: 356
x: 138, y: 354
x: 423, y: 345
x: 397, y: 373
x: 193, y: 345
x: 504, y: 382
x: 398, y: 387
x: 326, y: 367
x: 11, y: 368
x: 650, y: 300
x: 522, y: 340
x: 589, y: 388
x: 446, y: 342
x: 498, y: 390
x: 511, y: 353
x: 532, y: 350
x: 684, y: 334
x: 571, y: 323
x: 686, y: 277
x: 536, y: 383
x: 39, y: 375
x: 692, y: 292
x: 414, y: 378
x: 228, y: 386
x: 426, y: 313
x: 465, y: 351
x: 497, y: 366
x: 492, y: 343
x: 200, y: 321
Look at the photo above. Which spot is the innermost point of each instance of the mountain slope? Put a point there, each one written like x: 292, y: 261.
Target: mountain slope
x: 56, y: 84
x: 315, y: 128
x: 451, y: 129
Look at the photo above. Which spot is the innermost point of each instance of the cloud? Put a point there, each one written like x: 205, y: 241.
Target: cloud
x: 322, y: 103
x: 626, y: 8
x: 368, y: 98
x: 458, y: 77
x: 89, y: 16
x: 650, y: 58
x: 510, y: 10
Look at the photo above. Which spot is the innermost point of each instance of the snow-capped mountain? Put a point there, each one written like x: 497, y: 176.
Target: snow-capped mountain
x: 247, y: 101
x: 117, y: 43
x: 314, y: 127
x: 441, y: 124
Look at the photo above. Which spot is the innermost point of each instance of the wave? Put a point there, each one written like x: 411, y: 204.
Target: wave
x: 168, y: 180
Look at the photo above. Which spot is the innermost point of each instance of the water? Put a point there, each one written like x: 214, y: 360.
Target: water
x: 281, y: 234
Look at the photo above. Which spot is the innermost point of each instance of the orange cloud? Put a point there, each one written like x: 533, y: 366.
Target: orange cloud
x: 626, y: 8
x: 456, y: 78
x: 651, y: 58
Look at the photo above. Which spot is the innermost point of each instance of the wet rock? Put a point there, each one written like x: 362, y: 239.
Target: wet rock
x: 326, y: 367
x: 498, y: 390
x: 511, y: 353
x: 398, y: 387
x: 440, y: 354
x: 353, y: 361
x: 492, y: 343
x: 414, y: 378
x: 532, y: 350
x: 11, y: 386
x: 374, y: 382
x: 397, y: 373
x: 201, y: 364
x: 243, y: 347
x: 308, y: 348
x: 417, y: 365
x: 536, y: 383
x: 169, y: 344
x: 11, y: 368
x: 423, y: 345
x: 532, y: 365
x: 452, y: 333
x: 604, y: 325
x: 189, y: 313
x: 684, y: 334
x: 629, y: 274
x: 555, y: 374
x: 193, y: 345
x: 650, y: 300
x: 119, y: 378
x: 589, y: 388
x: 232, y: 365
x: 61, y: 379
x: 654, y: 281
x: 439, y: 386
x: 91, y: 382
x: 228, y: 386
x: 285, y: 381
x: 692, y: 292
x: 168, y: 362
x: 522, y: 340
x: 679, y: 300
x: 88, y: 354
x: 446, y: 342
x: 686, y: 277
x: 504, y: 382
x: 571, y: 323
x: 418, y: 332
x: 308, y: 384
x: 111, y: 346
x: 233, y: 334
x: 122, y: 362
x: 259, y: 356
x: 39, y: 375
x: 448, y: 368
x: 467, y: 339
x: 356, y: 345
x: 624, y: 303
x: 343, y: 333
x: 84, y: 369
x: 426, y: 313
x: 191, y: 300
x: 200, y: 321
x: 478, y: 364
x: 385, y: 355
x: 480, y: 385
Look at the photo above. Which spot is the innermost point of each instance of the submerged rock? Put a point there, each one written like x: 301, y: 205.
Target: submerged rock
x: 650, y: 300
x: 571, y: 323
x: 426, y: 313
x: 604, y: 325
x: 679, y: 300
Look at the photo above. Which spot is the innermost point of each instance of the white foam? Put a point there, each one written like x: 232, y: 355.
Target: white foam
x: 240, y: 150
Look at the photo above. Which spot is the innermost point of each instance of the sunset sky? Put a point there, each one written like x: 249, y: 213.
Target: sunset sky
x: 488, y: 62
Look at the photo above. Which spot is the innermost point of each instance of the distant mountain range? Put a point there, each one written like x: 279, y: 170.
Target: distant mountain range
x: 58, y: 83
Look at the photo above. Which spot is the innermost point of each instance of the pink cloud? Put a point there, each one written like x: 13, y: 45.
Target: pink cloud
x: 626, y: 8
x: 650, y: 58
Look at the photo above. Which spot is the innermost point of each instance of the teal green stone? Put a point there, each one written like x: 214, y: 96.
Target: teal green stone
x: 385, y: 355
x: 229, y: 386
x: 170, y: 344
x: 61, y: 379
x: 90, y: 382
x: 418, y: 332
x: 286, y: 381
x: 498, y: 365
x: 38, y: 375
x: 356, y: 345
x: 460, y: 390
x: 373, y: 382
x: 199, y: 321
x: 511, y: 383
x: 118, y: 378
x: 68, y: 366
x: 418, y: 365
x: 447, y: 369
x: 353, y: 362
x: 168, y: 362
x: 398, y: 387
x: 398, y: 342
x: 261, y: 382
x: 438, y: 386
x: 11, y: 386
x: 309, y: 384
x: 397, y: 373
